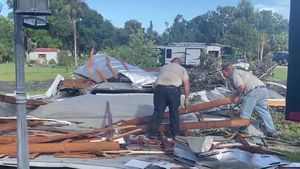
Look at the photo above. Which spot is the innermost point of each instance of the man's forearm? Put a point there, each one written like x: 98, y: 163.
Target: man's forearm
x: 186, y: 86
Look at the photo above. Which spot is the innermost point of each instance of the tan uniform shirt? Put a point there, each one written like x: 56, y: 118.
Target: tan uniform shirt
x: 171, y: 74
x: 250, y: 81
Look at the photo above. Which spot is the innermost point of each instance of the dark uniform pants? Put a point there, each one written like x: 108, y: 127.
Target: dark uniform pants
x: 165, y: 96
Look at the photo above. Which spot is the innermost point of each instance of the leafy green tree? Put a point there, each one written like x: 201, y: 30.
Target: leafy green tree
x: 6, y: 39
x: 140, y: 51
x: 95, y: 31
x: 64, y: 59
x: 130, y: 27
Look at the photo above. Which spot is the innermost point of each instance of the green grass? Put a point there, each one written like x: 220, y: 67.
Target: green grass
x: 279, y: 74
x: 289, y: 132
x: 32, y: 74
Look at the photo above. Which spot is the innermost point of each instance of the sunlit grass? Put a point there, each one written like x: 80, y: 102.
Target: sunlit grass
x: 32, y: 74
x: 279, y: 74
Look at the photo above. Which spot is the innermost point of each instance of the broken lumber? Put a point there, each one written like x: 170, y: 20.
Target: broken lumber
x: 30, y: 103
x: 75, y: 155
x: 205, y: 124
x: 77, y: 134
x: 63, y: 147
x: 276, y: 102
x: 191, y: 108
x: 75, y: 84
x: 10, y: 126
x: 110, y: 67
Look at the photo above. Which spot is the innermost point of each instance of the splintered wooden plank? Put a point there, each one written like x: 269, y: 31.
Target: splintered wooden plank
x: 101, y: 75
x: 90, y: 63
x: 276, y: 102
x: 13, y: 139
x: 34, y: 155
x: 3, y: 155
x: 75, y: 84
x: 111, y: 69
x: 191, y: 108
x: 29, y: 102
x: 78, y: 134
x: 63, y: 147
x: 205, y: 124
x: 75, y: 155
x: 10, y: 126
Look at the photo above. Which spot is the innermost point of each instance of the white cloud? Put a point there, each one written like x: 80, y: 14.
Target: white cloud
x: 281, y: 7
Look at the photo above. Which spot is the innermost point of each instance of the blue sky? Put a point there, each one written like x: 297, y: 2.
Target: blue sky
x: 161, y: 11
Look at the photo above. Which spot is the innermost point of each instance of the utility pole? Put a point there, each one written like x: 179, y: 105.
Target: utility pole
x: 75, y: 41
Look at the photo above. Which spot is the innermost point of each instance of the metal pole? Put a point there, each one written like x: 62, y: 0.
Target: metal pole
x: 22, y: 133
x: 75, y: 41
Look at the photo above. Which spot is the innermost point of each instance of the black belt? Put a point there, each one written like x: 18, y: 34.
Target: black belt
x: 168, y: 86
x: 256, y: 87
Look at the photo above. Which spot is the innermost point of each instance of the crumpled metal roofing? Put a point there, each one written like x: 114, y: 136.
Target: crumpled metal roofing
x: 100, y: 62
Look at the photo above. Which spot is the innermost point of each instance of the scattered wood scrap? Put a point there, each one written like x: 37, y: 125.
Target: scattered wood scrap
x: 75, y: 84
x: 276, y: 102
x: 30, y: 103
x: 101, y: 142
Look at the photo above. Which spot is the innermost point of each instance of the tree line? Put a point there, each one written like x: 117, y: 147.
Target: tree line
x: 253, y: 34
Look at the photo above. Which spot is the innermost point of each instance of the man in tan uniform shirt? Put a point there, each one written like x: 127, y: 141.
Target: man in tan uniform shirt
x: 167, y: 93
x: 254, y: 94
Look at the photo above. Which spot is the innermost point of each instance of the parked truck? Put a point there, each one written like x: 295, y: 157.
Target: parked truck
x: 188, y: 52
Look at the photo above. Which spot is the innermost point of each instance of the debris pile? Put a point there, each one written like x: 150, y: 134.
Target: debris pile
x: 109, y: 121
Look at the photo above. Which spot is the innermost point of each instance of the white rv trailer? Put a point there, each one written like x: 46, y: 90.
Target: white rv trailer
x: 188, y: 52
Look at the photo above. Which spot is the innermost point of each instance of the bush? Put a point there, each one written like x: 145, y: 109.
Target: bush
x: 32, y: 61
x: 52, y: 62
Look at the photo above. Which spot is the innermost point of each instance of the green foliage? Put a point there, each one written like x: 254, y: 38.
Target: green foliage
x: 260, y: 67
x: 64, y: 58
x: 6, y: 36
x: 52, y: 62
x: 140, y: 51
x: 206, y: 76
x: 251, y: 33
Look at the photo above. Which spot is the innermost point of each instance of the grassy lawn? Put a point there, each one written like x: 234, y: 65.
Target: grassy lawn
x: 279, y: 74
x: 32, y: 74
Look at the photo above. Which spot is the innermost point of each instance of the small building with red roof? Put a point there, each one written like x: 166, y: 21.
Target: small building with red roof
x: 43, y: 55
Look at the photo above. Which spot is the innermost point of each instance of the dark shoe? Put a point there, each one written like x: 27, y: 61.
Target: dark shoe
x: 272, y: 135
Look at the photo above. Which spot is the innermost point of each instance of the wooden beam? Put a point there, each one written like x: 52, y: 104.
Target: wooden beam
x: 111, y: 69
x: 101, y: 75
x: 63, y: 147
x: 30, y: 103
x: 276, y: 102
x: 191, y: 108
x: 204, y: 124
x: 75, y: 155
x: 90, y: 64
x: 10, y: 126
x: 77, y: 134
x: 75, y: 84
